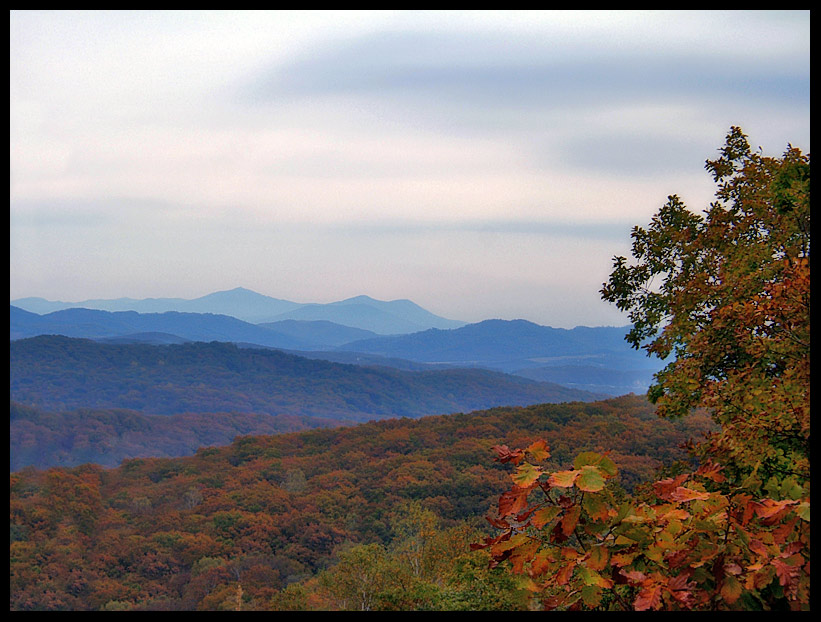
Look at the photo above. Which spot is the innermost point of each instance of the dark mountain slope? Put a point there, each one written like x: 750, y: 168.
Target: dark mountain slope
x: 59, y: 373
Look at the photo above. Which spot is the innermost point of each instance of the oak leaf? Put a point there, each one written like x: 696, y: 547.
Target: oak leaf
x: 563, y: 479
x: 648, y: 598
x: 590, y: 479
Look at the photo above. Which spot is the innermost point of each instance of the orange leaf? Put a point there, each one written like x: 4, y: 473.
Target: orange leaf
x: 768, y: 508
x: 570, y: 520
x: 598, y: 558
x: 523, y: 554
x: 538, y: 451
x: 564, y: 573
x: 544, y: 515
x: 563, y: 479
x: 688, y: 494
x: 664, y: 487
x: 711, y: 471
x: 540, y: 564
x: 730, y: 589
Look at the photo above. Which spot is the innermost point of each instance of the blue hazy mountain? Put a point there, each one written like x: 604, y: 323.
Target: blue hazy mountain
x: 240, y: 303
x: 319, y: 332
x: 363, y: 312
x: 146, y: 327
x: 498, y: 341
x: 594, y: 358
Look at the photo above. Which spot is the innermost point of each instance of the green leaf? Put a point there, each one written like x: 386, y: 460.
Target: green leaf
x: 591, y: 458
x: 590, y: 479
x: 730, y: 589
x: 526, y: 474
x: 591, y: 595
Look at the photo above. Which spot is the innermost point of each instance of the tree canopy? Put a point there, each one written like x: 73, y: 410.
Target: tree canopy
x: 727, y: 294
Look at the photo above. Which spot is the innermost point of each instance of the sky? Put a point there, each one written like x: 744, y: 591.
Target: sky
x: 484, y: 164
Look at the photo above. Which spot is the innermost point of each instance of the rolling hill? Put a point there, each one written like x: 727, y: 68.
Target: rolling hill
x: 177, y: 534
x: 61, y: 373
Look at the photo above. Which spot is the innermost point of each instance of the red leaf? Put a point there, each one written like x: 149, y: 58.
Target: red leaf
x: 504, y: 454
x: 513, y: 501
x: 664, y: 487
x: 648, y: 598
x: 634, y: 576
x: 786, y: 574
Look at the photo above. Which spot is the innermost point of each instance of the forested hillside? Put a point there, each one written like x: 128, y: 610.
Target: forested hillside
x: 44, y: 439
x: 59, y: 373
x: 233, y: 527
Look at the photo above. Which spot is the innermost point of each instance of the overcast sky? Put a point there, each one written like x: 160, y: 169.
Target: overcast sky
x: 482, y: 164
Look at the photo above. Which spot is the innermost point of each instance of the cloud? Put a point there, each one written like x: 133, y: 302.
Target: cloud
x: 519, y: 72
x: 469, y: 160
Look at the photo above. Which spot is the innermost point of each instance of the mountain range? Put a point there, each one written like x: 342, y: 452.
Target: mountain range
x: 593, y: 359
x: 364, y: 312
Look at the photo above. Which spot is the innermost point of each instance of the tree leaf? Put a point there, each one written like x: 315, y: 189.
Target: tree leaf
x: 598, y: 558
x: 526, y: 474
x: 648, y: 598
x: 590, y: 479
x: 544, y: 515
x: 563, y: 479
x: 591, y: 458
x: 505, y: 454
x: 591, y: 595
x: 538, y: 451
x: 570, y: 520
x: 513, y: 501
x: 731, y: 589
x: 688, y: 494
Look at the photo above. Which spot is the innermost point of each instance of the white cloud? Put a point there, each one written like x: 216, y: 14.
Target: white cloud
x: 190, y: 151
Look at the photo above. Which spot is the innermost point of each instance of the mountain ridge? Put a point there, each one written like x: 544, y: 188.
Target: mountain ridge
x: 387, y: 317
x: 56, y: 372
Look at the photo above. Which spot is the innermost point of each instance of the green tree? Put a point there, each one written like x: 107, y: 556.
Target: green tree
x: 726, y: 295
x: 355, y: 582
